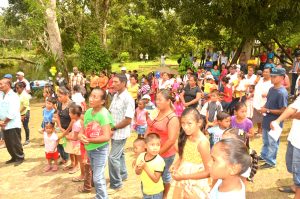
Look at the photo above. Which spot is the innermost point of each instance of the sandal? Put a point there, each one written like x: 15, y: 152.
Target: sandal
x: 55, y: 168
x: 77, y: 179
x: 286, y: 189
x: 47, y: 168
x: 67, y: 168
x: 83, y: 190
x: 74, y: 170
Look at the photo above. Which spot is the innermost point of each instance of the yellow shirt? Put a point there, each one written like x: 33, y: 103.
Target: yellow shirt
x: 157, y: 164
x: 24, y: 102
x: 190, y: 152
x: 133, y: 90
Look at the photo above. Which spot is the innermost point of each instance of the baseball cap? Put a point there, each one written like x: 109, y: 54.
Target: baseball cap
x: 20, y: 73
x: 8, y: 76
x: 278, y: 72
x: 146, y: 97
x: 123, y: 68
x: 209, y: 77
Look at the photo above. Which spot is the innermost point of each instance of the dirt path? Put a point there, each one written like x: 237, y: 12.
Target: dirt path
x: 29, y: 181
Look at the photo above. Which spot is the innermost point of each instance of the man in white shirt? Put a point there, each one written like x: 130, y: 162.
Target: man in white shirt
x: 250, y: 77
x: 20, y: 78
x: 293, y: 149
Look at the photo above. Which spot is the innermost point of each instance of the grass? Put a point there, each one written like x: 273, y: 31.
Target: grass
x: 28, y: 181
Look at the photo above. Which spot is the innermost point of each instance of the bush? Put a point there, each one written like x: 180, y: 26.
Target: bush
x: 93, y: 56
x: 123, y: 56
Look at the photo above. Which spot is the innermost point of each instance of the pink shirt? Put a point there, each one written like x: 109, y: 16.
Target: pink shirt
x: 76, y: 128
x: 141, y: 117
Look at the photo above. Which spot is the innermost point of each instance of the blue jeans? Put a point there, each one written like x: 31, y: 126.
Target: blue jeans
x: 98, y: 159
x: 292, y: 160
x: 166, y: 175
x: 25, y: 124
x: 270, y: 148
x: 116, y: 163
x: 61, y: 151
x: 155, y: 196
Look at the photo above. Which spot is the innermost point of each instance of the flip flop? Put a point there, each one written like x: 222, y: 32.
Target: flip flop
x: 74, y: 170
x: 286, y: 189
x: 83, y: 190
x: 67, y: 168
x: 76, y: 179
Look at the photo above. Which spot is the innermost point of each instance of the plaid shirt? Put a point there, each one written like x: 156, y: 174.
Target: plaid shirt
x: 122, y: 106
x: 77, y: 80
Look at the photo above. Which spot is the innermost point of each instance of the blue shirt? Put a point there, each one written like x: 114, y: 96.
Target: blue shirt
x: 269, y: 65
x: 215, y: 135
x: 10, y: 108
x: 276, y: 99
x: 47, y: 116
x: 271, y: 55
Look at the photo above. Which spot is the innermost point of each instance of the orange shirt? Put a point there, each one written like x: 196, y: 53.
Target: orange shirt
x: 94, y: 82
x: 103, y: 82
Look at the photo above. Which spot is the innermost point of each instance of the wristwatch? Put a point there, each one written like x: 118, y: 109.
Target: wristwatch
x: 268, y: 111
x: 113, y: 128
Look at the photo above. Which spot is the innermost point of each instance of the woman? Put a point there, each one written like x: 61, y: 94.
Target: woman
x: 133, y: 87
x: 216, y: 73
x: 63, y: 120
x: 191, y: 93
x: 164, y: 82
x: 103, y: 80
x: 24, y: 108
x: 166, y: 125
x: 97, y: 122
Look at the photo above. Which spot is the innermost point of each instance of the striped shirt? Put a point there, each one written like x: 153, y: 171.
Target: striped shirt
x: 122, y: 106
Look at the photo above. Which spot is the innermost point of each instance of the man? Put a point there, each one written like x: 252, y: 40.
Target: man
x: 60, y: 80
x: 295, y: 74
x: 277, y: 101
x: 76, y: 79
x: 250, y: 77
x: 11, y: 122
x: 20, y: 78
x: 293, y: 150
x: 215, y: 58
x: 123, y: 71
x: 122, y: 111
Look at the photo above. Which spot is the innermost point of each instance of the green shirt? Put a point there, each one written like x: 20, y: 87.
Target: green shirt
x: 24, y: 102
x: 93, y: 126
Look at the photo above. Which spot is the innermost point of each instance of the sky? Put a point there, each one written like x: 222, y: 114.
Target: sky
x: 3, y: 3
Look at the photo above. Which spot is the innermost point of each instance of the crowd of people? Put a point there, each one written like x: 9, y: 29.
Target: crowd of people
x: 193, y: 131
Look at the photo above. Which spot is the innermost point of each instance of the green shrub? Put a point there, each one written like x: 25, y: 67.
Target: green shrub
x: 123, y: 56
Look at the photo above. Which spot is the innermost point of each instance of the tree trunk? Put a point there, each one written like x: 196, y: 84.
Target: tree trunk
x: 104, y: 22
x: 247, y: 48
x: 238, y: 52
x: 53, y: 30
x: 283, y: 50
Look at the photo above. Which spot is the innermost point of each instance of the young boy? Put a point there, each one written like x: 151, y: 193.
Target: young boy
x: 139, y: 146
x: 48, y: 112
x: 150, y: 166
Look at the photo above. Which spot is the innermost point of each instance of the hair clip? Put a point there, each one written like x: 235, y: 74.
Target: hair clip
x: 241, y: 132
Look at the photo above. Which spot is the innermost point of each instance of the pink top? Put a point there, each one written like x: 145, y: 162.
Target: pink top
x: 160, y: 127
x: 50, y: 142
x: 141, y: 117
x: 223, y: 74
x: 76, y: 128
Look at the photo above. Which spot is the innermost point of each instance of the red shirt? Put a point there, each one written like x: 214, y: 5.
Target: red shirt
x: 227, y: 94
x: 263, y: 58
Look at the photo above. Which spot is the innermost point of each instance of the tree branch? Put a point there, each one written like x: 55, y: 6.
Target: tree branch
x: 283, y: 49
x: 19, y: 58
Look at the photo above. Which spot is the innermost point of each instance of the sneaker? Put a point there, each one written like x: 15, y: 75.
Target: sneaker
x: 111, y: 191
x: 10, y: 161
x: 26, y: 142
x: 266, y: 166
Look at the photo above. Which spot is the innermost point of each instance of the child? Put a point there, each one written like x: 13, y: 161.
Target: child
x: 241, y: 135
x: 139, y: 146
x: 240, y: 120
x: 191, y: 169
x: 179, y: 107
x: 145, y: 89
x: 148, y: 104
x: 140, y: 118
x: 227, y: 94
x: 216, y: 132
x: 211, y: 108
x: 73, y: 144
x: 150, y: 166
x: 249, y: 101
x: 51, y: 141
x: 229, y: 159
x: 78, y: 98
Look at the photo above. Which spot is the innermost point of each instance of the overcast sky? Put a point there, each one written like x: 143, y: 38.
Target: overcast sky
x: 3, y: 3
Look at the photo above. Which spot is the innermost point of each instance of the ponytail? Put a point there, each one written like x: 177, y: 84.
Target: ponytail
x: 254, y: 164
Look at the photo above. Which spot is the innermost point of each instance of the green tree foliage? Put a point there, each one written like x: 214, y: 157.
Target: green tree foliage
x: 93, y: 56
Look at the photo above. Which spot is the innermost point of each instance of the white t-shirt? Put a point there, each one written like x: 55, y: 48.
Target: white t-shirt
x: 233, y: 77
x: 294, y: 135
x: 50, y: 142
x: 262, y: 87
x: 242, y: 85
x: 216, y: 194
x: 164, y: 85
x: 250, y: 80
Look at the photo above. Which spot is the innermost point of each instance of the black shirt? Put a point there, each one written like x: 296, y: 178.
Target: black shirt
x: 190, y: 94
x: 63, y: 115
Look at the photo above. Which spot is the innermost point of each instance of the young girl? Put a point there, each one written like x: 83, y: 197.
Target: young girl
x: 73, y: 143
x: 240, y: 120
x: 179, y: 107
x: 241, y: 135
x: 191, y: 169
x: 229, y: 159
x: 216, y: 132
x: 140, y: 118
x: 249, y: 101
x: 51, y: 141
x: 78, y: 98
x: 227, y: 94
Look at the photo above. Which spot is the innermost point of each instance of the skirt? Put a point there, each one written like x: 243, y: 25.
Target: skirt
x: 200, y: 187
x: 72, y: 147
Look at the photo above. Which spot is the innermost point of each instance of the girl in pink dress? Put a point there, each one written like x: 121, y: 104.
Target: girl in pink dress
x: 140, y: 118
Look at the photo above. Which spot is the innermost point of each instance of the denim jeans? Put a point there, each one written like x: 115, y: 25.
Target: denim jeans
x: 116, y: 163
x: 292, y: 160
x: 25, y: 124
x: 155, y: 196
x: 166, y: 175
x: 270, y: 148
x: 61, y: 151
x: 98, y: 159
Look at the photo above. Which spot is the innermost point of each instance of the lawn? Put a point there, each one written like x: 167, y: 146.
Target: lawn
x: 29, y: 181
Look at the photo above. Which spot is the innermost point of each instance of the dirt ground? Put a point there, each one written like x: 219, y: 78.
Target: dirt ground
x: 29, y: 181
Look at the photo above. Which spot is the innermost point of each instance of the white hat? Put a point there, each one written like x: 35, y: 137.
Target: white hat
x: 123, y: 68
x: 238, y: 66
x: 146, y: 97
x: 209, y: 77
x: 20, y: 73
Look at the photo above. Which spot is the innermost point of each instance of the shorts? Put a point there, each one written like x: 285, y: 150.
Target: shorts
x: 141, y: 129
x: 292, y: 160
x: 52, y: 156
x: 166, y: 176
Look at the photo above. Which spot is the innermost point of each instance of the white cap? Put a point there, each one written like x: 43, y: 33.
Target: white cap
x: 123, y: 68
x: 209, y: 77
x: 20, y: 73
x: 238, y: 66
x: 146, y: 97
